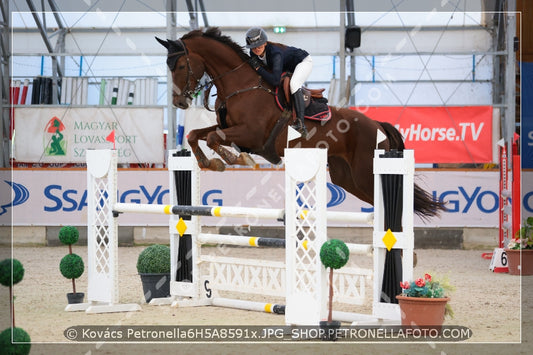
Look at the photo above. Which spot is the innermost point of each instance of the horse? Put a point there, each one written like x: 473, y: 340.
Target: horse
x: 249, y: 120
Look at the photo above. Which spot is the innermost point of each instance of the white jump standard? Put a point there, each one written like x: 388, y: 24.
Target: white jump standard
x: 102, y: 236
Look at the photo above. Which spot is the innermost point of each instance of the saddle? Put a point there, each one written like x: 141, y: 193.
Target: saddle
x: 316, y: 105
x: 308, y: 93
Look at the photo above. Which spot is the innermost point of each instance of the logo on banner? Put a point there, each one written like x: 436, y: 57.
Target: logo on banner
x: 20, y: 195
x: 442, y: 134
x: 54, y: 142
x: 337, y: 195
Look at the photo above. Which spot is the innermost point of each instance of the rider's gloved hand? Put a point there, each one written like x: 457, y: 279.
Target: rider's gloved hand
x: 255, y: 62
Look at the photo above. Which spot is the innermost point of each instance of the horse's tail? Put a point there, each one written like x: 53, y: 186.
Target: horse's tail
x: 394, y: 136
x: 425, y: 206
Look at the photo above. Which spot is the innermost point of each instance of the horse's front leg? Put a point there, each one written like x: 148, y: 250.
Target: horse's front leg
x: 217, y: 139
x: 203, y: 162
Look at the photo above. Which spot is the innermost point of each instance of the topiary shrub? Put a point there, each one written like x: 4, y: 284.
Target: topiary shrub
x: 11, y: 273
x: 6, y: 273
x: 68, y: 235
x: 71, y: 266
x: 155, y: 259
x: 334, y: 254
x: 19, y: 336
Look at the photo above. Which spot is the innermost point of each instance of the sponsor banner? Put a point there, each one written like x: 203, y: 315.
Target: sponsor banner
x: 62, y: 135
x: 527, y: 115
x: 441, y: 134
x: 59, y: 197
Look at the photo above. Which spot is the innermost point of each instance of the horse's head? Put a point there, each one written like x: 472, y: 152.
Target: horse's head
x: 187, y: 70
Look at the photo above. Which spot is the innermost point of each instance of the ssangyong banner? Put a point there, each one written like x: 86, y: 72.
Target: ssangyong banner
x: 46, y: 197
x: 63, y: 134
x: 446, y: 134
x: 527, y: 115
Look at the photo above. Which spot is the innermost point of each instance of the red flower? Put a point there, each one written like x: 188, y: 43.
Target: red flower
x: 427, y: 277
x: 420, y: 282
x: 404, y: 285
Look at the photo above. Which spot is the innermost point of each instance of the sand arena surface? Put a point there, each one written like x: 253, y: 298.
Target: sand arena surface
x: 487, y: 303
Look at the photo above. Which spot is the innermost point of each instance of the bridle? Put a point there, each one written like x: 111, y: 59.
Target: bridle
x: 187, y: 91
x: 191, y: 93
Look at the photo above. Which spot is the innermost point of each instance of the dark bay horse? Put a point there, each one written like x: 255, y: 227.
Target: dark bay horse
x: 249, y: 119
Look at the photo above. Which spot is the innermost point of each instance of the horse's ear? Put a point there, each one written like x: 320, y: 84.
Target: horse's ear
x: 165, y: 44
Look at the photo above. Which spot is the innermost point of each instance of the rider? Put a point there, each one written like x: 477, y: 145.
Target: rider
x: 279, y: 58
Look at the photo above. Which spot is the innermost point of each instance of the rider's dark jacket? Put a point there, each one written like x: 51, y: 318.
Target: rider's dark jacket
x: 279, y: 59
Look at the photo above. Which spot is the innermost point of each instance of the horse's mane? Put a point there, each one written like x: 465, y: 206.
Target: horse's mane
x: 214, y: 33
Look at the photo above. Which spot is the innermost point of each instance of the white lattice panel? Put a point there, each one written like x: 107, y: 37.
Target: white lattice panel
x: 102, y: 242
x: 349, y: 285
x: 247, y: 276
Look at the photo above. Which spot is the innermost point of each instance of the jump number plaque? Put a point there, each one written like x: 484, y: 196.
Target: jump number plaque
x: 498, y: 263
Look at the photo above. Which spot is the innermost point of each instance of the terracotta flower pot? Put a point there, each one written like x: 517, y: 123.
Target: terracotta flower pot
x: 513, y: 261
x: 423, y: 313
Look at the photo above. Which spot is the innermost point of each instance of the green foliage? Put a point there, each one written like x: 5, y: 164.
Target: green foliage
x: 19, y: 336
x: 524, y: 236
x: 5, y: 272
x: 68, y: 235
x: 71, y: 266
x: 334, y: 254
x: 428, y: 287
x: 154, y: 260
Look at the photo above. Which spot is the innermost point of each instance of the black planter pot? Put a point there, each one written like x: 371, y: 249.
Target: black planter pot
x: 155, y: 286
x: 75, y: 297
x: 330, y: 329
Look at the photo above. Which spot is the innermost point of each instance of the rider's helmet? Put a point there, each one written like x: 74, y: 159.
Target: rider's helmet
x: 255, y: 37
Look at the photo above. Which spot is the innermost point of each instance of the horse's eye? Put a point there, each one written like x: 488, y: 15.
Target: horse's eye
x: 181, y: 67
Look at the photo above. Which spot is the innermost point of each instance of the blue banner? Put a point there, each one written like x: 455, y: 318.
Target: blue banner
x: 527, y: 116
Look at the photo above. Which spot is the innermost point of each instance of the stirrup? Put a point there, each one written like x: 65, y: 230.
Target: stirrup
x: 300, y: 127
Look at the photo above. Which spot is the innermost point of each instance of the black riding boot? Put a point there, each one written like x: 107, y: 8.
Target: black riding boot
x: 299, y: 106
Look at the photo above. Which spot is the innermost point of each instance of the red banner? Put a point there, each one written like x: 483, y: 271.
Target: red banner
x: 441, y: 134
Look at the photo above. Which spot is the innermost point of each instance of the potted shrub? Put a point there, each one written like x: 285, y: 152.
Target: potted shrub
x: 11, y: 273
x: 153, y: 266
x: 334, y: 254
x: 71, y: 266
x: 520, y: 250
x: 424, y: 302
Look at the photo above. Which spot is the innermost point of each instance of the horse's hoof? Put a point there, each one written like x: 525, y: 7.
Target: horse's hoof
x: 247, y: 159
x: 217, y: 165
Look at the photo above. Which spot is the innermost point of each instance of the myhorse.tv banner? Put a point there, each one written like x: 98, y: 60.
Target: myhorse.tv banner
x: 63, y: 134
x: 446, y: 134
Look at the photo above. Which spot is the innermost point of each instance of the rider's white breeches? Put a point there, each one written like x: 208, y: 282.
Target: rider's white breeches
x: 301, y: 73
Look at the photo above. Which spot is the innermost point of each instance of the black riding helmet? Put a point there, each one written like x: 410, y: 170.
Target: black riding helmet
x: 255, y: 37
